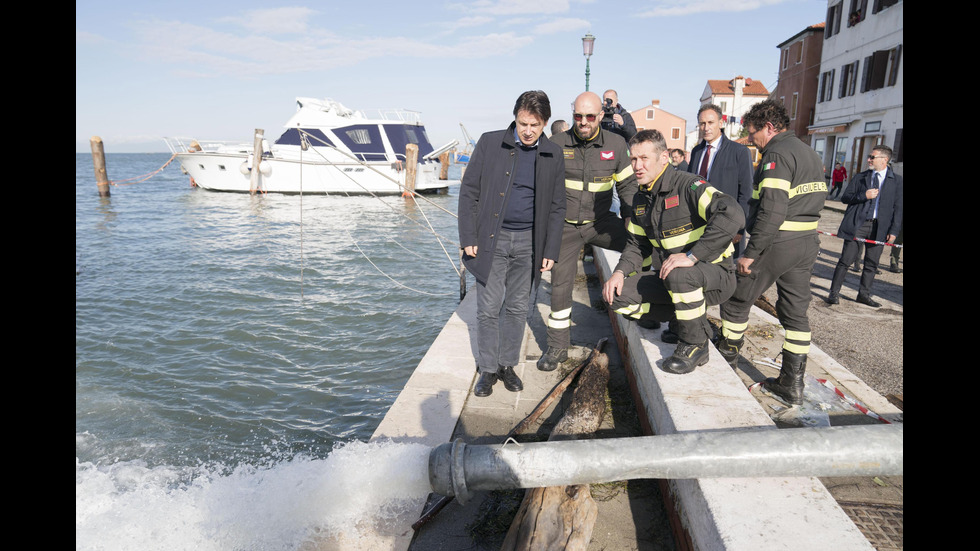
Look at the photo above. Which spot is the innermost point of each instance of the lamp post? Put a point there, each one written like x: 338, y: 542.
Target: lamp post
x: 587, y: 42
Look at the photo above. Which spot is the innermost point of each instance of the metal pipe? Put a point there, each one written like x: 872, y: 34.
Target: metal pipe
x: 456, y: 469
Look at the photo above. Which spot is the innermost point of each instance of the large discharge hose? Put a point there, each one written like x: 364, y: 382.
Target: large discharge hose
x: 456, y: 469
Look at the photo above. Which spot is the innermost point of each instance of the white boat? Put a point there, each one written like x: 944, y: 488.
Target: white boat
x: 326, y: 148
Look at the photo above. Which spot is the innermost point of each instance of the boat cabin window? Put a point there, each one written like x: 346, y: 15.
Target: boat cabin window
x: 359, y: 136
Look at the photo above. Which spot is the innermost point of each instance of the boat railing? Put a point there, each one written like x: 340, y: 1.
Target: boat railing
x: 400, y: 115
x: 188, y: 145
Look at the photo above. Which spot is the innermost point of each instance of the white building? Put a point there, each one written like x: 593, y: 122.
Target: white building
x: 735, y: 97
x: 860, y: 92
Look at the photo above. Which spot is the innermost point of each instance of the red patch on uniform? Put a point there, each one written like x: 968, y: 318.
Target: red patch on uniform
x: 607, y: 155
x: 672, y: 202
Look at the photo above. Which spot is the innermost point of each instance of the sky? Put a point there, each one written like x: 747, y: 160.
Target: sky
x: 217, y: 70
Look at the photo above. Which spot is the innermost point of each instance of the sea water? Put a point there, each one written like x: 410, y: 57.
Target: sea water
x: 234, y: 353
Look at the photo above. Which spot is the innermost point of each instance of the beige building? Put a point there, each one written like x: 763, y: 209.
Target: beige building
x: 670, y: 125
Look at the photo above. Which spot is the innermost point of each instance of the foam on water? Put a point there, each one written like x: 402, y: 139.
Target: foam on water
x: 360, y: 494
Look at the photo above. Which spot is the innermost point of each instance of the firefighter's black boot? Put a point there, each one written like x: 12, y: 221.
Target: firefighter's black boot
x: 730, y: 350
x: 686, y: 357
x: 789, y: 384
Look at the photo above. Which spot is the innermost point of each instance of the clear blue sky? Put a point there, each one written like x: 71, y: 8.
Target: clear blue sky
x: 221, y: 69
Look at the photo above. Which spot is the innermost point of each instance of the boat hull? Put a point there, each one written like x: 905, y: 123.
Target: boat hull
x: 231, y: 173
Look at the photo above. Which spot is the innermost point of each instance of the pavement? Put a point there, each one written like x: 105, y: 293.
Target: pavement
x: 437, y: 406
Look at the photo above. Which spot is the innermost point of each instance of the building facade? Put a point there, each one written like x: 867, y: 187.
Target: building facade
x: 860, y: 91
x: 799, y: 76
x: 671, y: 126
x: 735, y: 97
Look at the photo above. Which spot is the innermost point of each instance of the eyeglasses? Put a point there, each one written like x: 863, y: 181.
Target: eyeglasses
x: 578, y: 117
x: 870, y: 157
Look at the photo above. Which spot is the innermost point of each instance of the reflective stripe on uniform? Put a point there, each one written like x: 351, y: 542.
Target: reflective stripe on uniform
x: 561, y: 319
x: 593, y: 187
x: 797, y: 342
x: 623, y: 174
x: 634, y: 310
x: 695, y: 297
x: 635, y: 229
x: 772, y: 183
x: 733, y: 331
x: 789, y: 225
x: 704, y: 201
x: 809, y: 187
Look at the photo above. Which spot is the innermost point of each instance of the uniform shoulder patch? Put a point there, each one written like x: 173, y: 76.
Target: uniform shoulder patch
x: 769, y: 166
x: 696, y: 184
x: 672, y: 202
x: 568, y: 153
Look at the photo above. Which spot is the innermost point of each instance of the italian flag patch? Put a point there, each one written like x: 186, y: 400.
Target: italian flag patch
x: 769, y: 166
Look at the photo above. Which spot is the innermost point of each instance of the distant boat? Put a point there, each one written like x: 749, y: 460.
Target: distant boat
x: 325, y: 149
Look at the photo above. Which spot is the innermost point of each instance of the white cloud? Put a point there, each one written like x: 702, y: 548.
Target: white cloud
x: 666, y: 8
x: 289, y: 20
x: 561, y: 25
x: 517, y: 7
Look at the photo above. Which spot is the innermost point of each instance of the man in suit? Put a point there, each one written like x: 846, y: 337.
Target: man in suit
x: 511, y: 212
x: 874, y: 212
x: 725, y: 164
x: 679, y: 161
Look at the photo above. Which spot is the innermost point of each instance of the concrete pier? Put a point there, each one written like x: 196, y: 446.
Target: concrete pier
x: 436, y: 406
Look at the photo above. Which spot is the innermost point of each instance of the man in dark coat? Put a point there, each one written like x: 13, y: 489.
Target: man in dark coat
x: 727, y: 164
x: 511, y: 212
x: 874, y: 213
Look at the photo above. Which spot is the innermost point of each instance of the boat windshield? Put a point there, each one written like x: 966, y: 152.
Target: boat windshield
x: 401, y: 135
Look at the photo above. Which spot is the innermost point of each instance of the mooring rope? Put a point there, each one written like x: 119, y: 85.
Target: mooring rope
x: 428, y: 224
x: 144, y: 177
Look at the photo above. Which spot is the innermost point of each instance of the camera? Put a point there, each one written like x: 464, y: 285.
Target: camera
x: 608, y: 108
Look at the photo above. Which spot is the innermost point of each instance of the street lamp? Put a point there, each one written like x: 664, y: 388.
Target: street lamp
x: 587, y: 42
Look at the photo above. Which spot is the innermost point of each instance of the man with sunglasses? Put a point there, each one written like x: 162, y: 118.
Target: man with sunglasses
x: 874, y: 200
x: 596, y: 161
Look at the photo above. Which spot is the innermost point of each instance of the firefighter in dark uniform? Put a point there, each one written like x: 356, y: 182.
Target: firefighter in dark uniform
x: 788, y: 194
x: 596, y: 160
x: 686, y: 228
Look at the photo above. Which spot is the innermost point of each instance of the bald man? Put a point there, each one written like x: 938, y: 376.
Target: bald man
x: 596, y: 162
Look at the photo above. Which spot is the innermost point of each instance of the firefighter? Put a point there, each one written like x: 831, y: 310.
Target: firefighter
x: 687, y: 229
x: 788, y: 194
x: 596, y: 161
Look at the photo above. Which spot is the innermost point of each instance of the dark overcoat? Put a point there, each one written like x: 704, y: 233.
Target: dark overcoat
x: 486, y: 187
x: 890, y: 205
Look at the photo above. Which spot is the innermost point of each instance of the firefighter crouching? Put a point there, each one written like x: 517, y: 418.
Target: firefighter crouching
x: 596, y: 160
x: 686, y: 228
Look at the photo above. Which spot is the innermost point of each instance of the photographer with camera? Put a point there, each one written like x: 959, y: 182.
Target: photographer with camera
x: 615, y: 118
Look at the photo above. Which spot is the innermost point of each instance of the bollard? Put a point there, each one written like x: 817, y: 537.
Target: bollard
x: 444, y: 161
x: 256, y: 159
x: 456, y: 469
x: 98, y: 160
x: 411, y: 165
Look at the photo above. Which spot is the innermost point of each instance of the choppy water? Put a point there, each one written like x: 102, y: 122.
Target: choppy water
x: 232, y: 352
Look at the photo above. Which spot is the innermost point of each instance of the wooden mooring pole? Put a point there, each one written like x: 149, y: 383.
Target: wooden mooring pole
x: 411, y: 168
x: 98, y: 160
x: 253, y: 185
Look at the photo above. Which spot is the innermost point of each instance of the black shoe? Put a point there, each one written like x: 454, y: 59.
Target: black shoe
x: 669, y: 335
x: 511, y: 381
x: 730, y: 349
x: 686, y: 357
x: 833, y: 298
x: 863, y: 299
x: 552, y: 358
x: 894, y: 269
x: 856, y: 268
x: 484, y: 387
x: 648, y: 324
x: 789, y: 385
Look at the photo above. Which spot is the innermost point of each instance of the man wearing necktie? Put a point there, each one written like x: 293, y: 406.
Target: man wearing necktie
x: 874, y: 213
